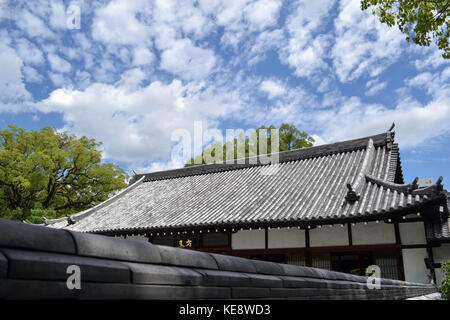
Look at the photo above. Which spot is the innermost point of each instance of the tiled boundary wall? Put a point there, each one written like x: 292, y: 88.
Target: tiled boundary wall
x: 34, y: 262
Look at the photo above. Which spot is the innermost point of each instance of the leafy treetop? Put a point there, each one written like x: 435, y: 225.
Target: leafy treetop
x: 52, y: 172
x: 289, y: 138
x: 421, y: 20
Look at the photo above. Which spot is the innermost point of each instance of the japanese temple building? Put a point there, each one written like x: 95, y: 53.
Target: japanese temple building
x: 341, y: 206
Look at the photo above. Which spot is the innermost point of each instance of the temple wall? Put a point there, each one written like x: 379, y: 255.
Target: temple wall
x: 412, y: 233
x: 327, y: 237
x: 373, y: 233
x: 286, y: 238
x: 34, y: 264
x: 441, y: 254
x: 414, y: 265
x: 248, y: 239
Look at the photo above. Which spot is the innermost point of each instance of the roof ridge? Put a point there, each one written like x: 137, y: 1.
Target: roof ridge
x: 266, y: 159
x: 367, y: 161
x: 410, y: 188
x: 406, y: 187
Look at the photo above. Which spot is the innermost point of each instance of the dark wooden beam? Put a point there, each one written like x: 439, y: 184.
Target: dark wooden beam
x: 266, y: 238
x: 399, y: 255
x: 308, y: 257
x: 350, y: 239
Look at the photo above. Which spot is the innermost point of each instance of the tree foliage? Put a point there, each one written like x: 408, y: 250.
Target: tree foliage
x: 421, y: 20
x: 445, y: 286
x: 289, y: 138
x: 52, y: 173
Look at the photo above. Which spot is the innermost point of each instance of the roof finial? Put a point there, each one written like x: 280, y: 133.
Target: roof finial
x: 134, y: 172
x: 439, y: 185
x: 414, y: 184
x: 392, y: 127
x: 70, y: 220
x: 351, y: 196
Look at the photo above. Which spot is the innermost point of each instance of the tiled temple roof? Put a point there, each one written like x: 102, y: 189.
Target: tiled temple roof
x: 354, y: 179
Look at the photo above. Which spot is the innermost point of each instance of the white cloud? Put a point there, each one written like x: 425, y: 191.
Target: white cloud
x: 142, y: 56
x: 265, y: 41
x: 131, y: 79
x: 272, y: 88
x: 3, y: 8
x: 432, y: 58
x: 58, y: 15
x: 108, y: 82
x: 415, y: 123
x: 117, y: 23
x: 32, y: 75
x: 435, y: 84
x: 263, y: 13
x: 188, y: 61
x: 374, y: 86
x: 59, y: 80
x: 28, y: 52
x: 363, y: 44
x: 33, y: 25
x: 12, y: 89
x: 58, y: 64
x: 136, y: 125
x: 307, y: 48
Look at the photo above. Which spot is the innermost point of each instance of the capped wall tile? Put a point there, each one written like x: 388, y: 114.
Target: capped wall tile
x: 15, y: 234
x: 224, y: 278
x: 25, y: 264
x: 3, y: 266
x: 93, y: 245
x: 155, y: 292
x: 12, y: 289
x: 230, y: 263
x: 186, y: 257
x: 158, y: 274
x: 267, y: 267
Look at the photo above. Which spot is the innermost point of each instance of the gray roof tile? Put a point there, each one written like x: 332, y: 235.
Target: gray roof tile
x: 308, y: 185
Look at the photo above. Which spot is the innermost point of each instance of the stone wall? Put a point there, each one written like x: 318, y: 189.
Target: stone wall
x: 34, y: 261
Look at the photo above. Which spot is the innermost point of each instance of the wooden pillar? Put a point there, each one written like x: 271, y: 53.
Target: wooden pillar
x: 266, y: 238
x: 431, y: 215
x: 398, y: 252
x: 350, y: 240
x: 431, y: 262
x: 308, y: 257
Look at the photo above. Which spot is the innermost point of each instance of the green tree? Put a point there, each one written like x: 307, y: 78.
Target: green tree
x: 421, y: 20
x: 445, y: 286
x: 52, y: 173
x: 289, y: 138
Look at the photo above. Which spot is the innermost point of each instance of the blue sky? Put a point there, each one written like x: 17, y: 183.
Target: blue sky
x: 136, y: 71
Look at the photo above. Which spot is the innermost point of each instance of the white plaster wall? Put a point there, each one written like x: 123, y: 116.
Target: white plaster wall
x: 140, y: 238
x: 248, y: 239
x: 373, y: 233
x: 327, y: 237
x: 286, y: 238
x: 441, y: 254
x: 414, y: 265
x: 412, y: 233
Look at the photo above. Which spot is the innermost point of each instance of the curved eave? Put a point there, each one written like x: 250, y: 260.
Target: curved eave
x: 84, y: 214
x: 388, y: 216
